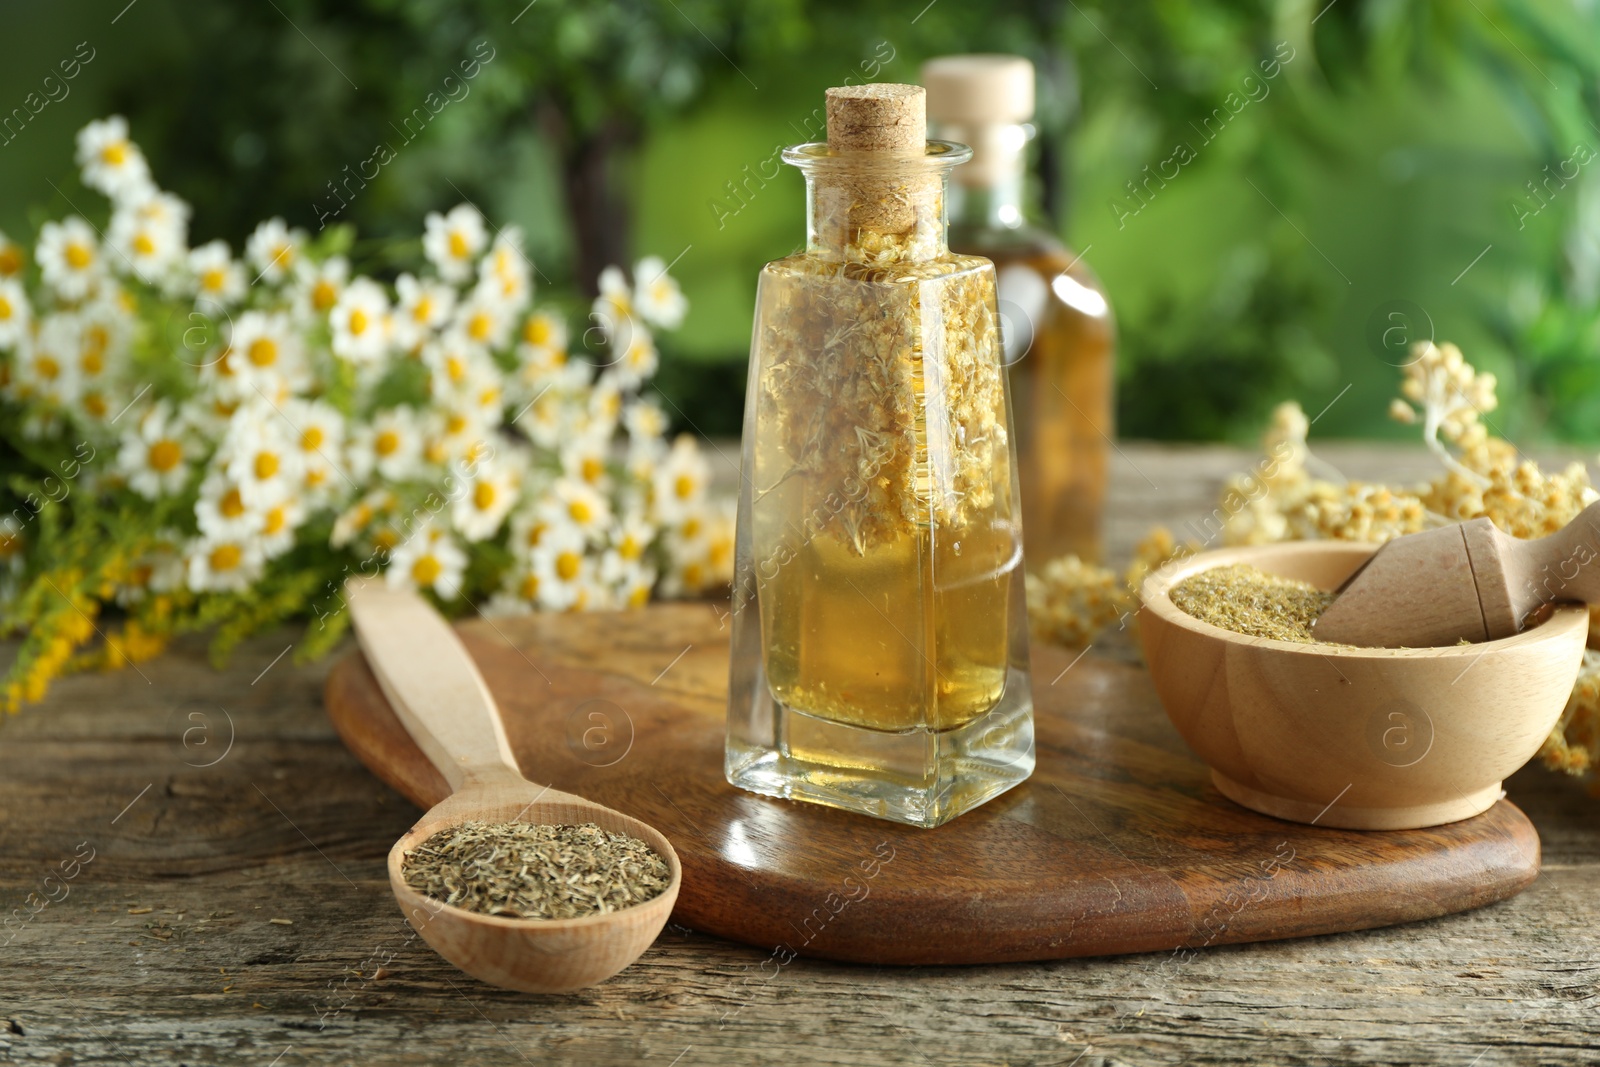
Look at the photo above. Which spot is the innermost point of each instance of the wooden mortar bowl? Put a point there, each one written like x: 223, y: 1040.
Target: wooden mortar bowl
x: 1359, y: 738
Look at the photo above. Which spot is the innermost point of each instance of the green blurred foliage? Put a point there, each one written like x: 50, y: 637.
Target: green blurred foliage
x: 1414, y: 158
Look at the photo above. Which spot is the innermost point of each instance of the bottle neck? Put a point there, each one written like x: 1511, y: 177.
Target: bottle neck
x: 987, y: 191
x: 876, y: 219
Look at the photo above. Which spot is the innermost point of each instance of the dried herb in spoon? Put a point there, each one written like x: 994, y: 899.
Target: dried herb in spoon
x: 533, y: 871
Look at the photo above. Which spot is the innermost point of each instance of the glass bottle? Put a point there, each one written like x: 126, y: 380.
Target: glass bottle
x: 1059, y: 332
x: 879, y: 629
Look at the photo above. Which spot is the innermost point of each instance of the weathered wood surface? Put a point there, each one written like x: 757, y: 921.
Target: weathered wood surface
x: 286, y: 824
x: 1118, y: 842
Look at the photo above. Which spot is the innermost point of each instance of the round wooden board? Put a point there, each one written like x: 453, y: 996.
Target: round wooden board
x: 1118, y: 843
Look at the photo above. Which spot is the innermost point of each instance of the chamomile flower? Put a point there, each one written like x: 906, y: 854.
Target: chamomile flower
x: 110, y: 163
x: 267, y: 354
x: 156, y: 452
x: 360, y: 322
x: 318, y: 286
x: 221, y: 511
x: 631, y: 583
x: 15, y: 312
x: 428, y: 559
x: 423, y: 308
x: 503, y: 275
x: 279, y: 521
x: 274, y: 250
x: 638, y: 359
x: 70, y: 259
x: 258, y: 456
x: 452, y: 360
x: 452, y: 242
x: 147, y: 238
x: 528, y: 527
x: 224, y: 565
x: 484, y: 321
x: 217, y: 276
x: 318, y: 437
x: 359, y: 517
x: 605, y: 403
x: 644, y: 420
x: 612, y: 310
x: 564, y: 570
x: 575, y: 504
x: 627, y: 541
x: 656, y: 295
x: 518, y: 593
x: 452, y: 432
x: 12, y: 257
x: 485, y: 497
x: 390, y: 444
x: 585, y: 458
x: 680, y: 481
x: 542, y: 346
x: 46, y: 368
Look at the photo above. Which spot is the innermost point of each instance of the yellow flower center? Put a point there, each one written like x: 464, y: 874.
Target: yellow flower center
x: 225, y: 557
x: 454, y: 423
x: 387, y: 443
x: 426, y: 570
x: 316, y: 476
x: 10, y: 260
x: 424, y: 309
x: 266, y: 465
x: 592, y: 469
x: 693, y: 575
x: 483, y: 496
x: 283, y: 256
x: 690, y: 529
x: 143, y: 245
x: 458, y: 244
x: 324, y: 295
x: 683, y: 486
x: 47, y: 368
x: 263, y: 352
x: 164, y: 455
x: 358, y: 322
x: 114, y: 154
x: 311, y: 438
x: 93, y: 363
x: 580, y: 511
x: 78, y: 255
x: 535, y: 532
x: 528, y: 588
x: 537, y: 331
x: 479, y: 326
x: 386, y: 539
x: 277, y: 519
x: 96, y: 405
x: 213, y: 280
x: 6, y: 310
x: 231, y: 505
x: 567, y: 565
x: 639, y: 596
x: 455, y: 368
x: 630, y: 548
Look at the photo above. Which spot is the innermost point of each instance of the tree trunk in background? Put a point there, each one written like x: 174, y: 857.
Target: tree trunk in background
x: 602, y: 220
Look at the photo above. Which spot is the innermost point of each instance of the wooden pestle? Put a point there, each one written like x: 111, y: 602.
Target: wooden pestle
x: 1469, y: 581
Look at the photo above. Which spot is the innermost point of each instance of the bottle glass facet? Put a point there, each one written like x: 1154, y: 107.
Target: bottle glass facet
x: 879, y: 645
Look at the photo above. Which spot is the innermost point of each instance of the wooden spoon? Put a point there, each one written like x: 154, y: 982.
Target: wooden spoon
x: 440, y: 697
x: 1468, y: 581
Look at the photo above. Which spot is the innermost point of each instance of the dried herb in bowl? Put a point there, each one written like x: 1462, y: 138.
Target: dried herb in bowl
x: 534, y: 871
x: 1249, y: 601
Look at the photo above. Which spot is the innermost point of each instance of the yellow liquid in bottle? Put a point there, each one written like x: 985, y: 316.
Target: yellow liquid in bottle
x: 910, y: 635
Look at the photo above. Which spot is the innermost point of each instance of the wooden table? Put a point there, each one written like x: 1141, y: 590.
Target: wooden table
x: 235, y: 910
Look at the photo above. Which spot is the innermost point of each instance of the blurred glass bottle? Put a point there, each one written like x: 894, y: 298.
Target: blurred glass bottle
x: 1059, y: 332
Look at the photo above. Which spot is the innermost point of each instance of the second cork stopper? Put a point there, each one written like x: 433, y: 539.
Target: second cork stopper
x: 883, y: 118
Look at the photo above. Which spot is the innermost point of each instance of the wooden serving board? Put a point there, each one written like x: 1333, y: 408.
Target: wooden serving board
x: 1118, y: 843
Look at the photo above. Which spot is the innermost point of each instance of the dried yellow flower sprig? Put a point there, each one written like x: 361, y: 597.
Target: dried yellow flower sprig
x: 1281, y: 500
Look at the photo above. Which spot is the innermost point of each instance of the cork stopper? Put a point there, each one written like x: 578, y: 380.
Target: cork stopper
x: 980, y: 100
x: 884, y: 118
x: 978, y: 89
